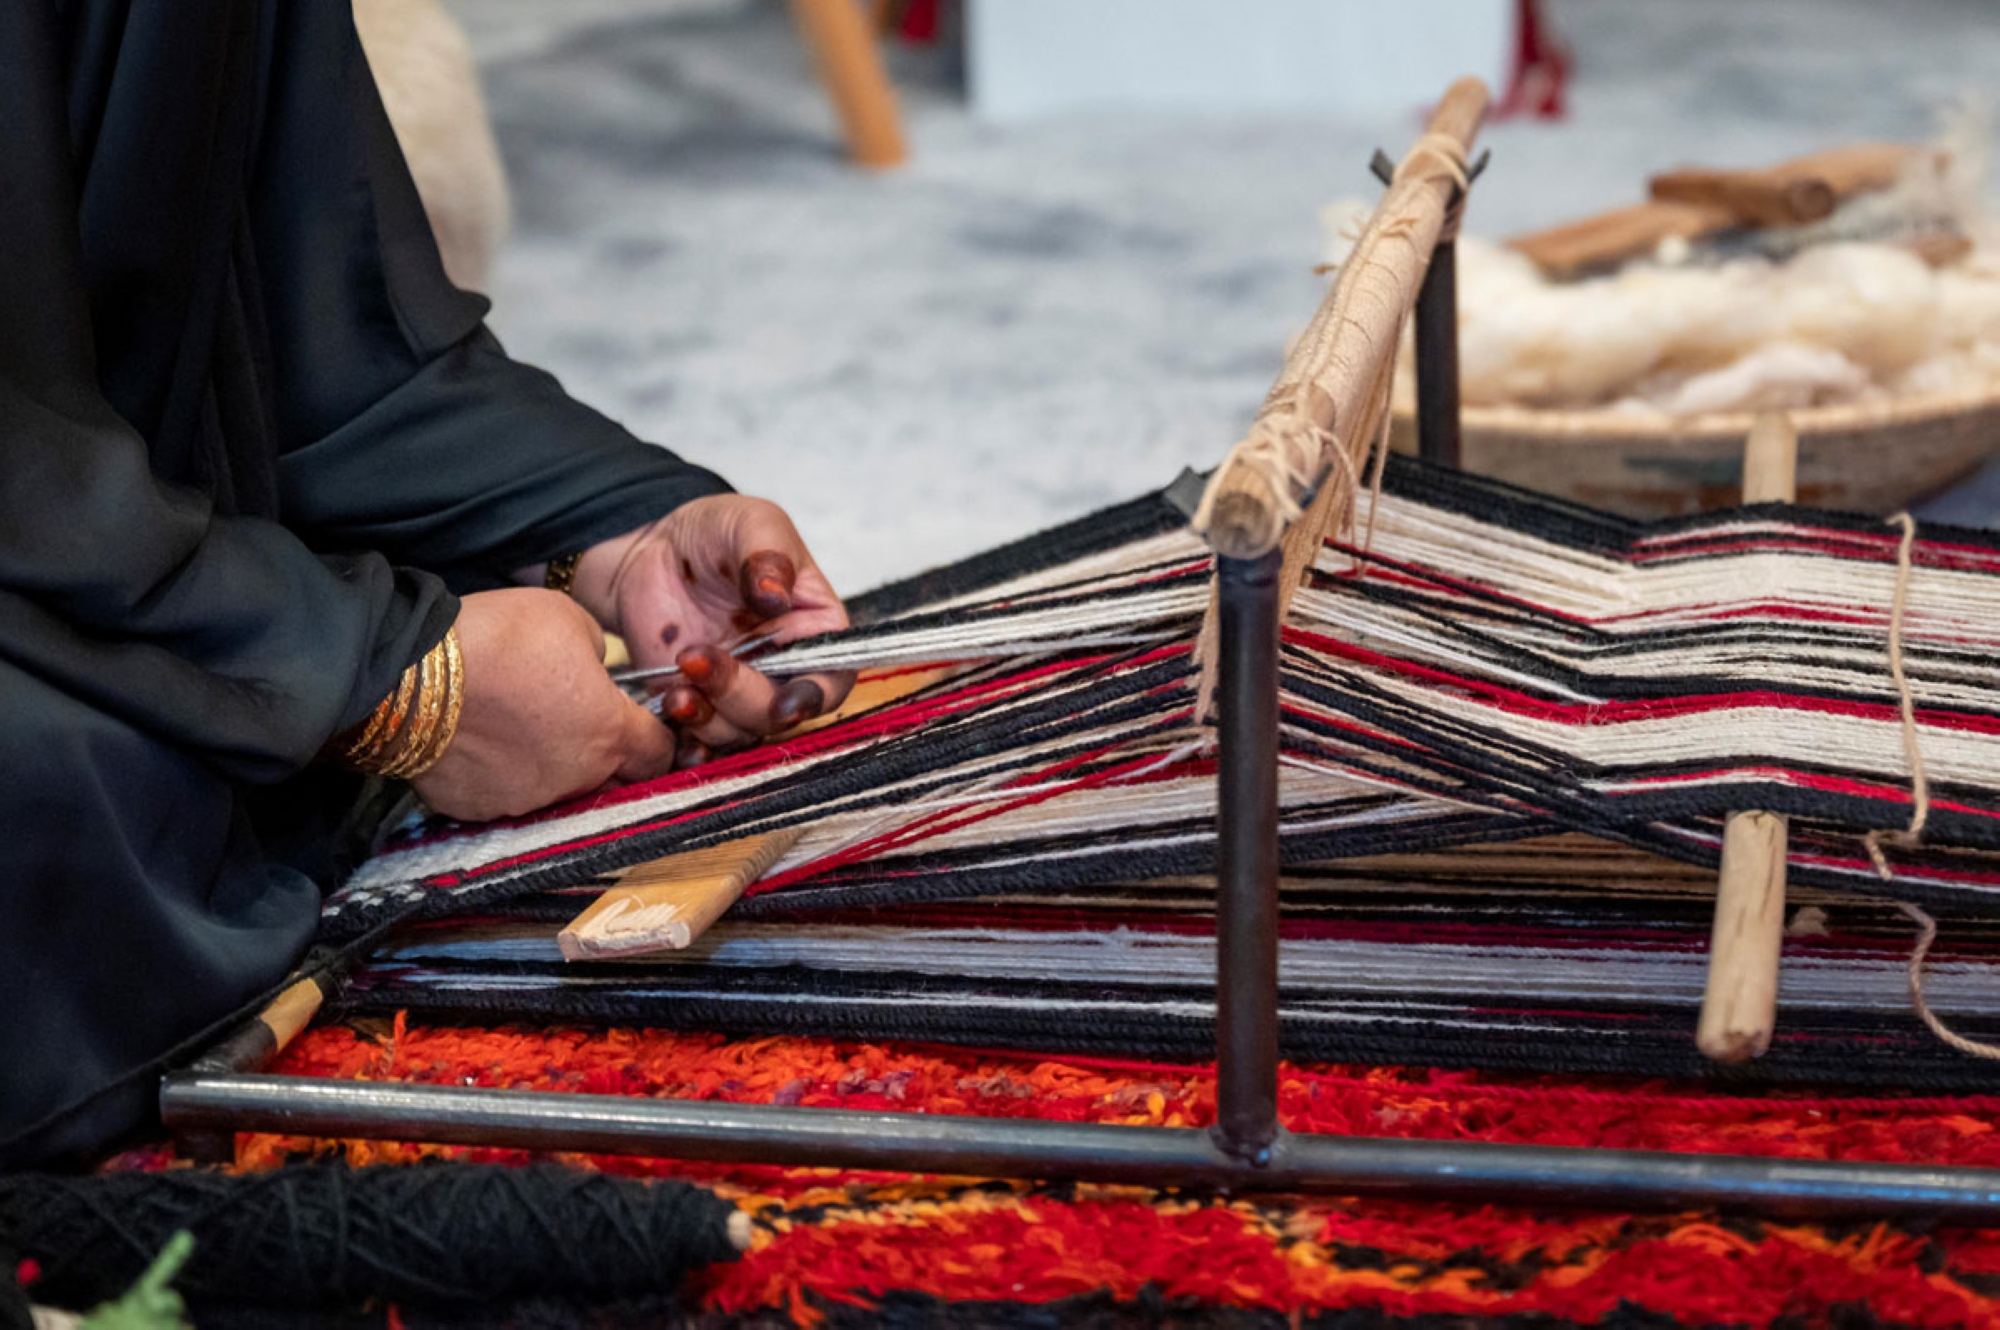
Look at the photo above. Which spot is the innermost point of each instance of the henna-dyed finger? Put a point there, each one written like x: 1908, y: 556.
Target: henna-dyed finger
x: 687, y: 708
x: 796, y: 702
x: 742, y: 696
x: 765, y: 580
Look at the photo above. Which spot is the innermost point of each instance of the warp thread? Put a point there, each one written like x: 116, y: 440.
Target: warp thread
x: 322, y: 1235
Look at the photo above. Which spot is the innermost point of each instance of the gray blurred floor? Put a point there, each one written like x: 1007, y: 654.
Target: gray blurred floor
x: 1021, y: 325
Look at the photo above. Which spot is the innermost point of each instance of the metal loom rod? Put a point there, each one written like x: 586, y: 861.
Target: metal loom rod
x: 1474, y: 1172
x: 1438, y: 437
x: 1246, y: 884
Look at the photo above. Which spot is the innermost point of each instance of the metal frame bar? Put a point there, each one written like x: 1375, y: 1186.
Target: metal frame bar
x: 1005, y: 1147
x: 1246, y: 1149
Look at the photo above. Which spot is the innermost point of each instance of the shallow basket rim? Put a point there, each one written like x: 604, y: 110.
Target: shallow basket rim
x: 1599, y: 423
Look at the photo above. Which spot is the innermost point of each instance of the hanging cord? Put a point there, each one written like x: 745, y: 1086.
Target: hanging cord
x: 1920, y: 799
x: 1920, y: 792
x: 1926, y: 934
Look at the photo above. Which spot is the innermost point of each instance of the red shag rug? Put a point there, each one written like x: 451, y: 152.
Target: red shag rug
x: 848, y: 1248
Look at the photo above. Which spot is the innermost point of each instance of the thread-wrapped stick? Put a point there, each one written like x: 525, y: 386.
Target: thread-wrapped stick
x: 1321, y: 402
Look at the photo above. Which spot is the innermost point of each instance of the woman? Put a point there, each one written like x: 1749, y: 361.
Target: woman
x: 275, y: 507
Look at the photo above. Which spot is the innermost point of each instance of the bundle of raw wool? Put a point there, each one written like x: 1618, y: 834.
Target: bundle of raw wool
x: 1838, y: 312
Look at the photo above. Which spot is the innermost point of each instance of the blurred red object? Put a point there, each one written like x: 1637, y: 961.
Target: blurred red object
x: 915, y: 20
x: 1540, y: 75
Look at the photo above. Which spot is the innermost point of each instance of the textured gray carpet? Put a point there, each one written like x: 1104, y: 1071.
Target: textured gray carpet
x: 1021, y: 325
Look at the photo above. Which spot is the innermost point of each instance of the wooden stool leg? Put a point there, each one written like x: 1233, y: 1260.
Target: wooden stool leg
x: 1739, y: 1010
x: 851, y: 67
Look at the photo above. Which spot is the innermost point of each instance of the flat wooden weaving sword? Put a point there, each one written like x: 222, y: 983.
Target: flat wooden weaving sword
x: 665, y: 905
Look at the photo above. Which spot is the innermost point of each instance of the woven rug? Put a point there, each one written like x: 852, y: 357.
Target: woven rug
x: 853, y: 1249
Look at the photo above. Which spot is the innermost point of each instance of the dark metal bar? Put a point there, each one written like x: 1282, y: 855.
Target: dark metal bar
x: 994, y: 1147
x: 1437, y: 358
x: 1246, y: 903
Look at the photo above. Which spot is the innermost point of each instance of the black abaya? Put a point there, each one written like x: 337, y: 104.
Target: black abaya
x: 251, y: 444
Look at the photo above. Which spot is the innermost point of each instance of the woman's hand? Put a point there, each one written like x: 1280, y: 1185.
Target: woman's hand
x: 685, y: 589
x: 541, y: 720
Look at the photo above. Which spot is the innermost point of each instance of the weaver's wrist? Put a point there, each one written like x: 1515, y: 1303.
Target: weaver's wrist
x: 410, y: 729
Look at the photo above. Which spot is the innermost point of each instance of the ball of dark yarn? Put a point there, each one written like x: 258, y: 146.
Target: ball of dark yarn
x: 327, y: 1235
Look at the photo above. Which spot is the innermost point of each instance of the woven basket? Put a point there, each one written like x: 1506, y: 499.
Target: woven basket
x: 1872, y: 458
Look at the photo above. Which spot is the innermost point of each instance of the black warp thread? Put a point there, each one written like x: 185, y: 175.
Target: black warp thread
x: 1886, y: 1051
x: 325, y: 1235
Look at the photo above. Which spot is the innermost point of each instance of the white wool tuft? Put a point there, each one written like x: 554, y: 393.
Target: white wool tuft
x: 1843, y: 319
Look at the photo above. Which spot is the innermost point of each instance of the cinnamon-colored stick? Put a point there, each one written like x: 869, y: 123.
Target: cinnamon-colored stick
x: 1739, y: 1008
x: 1608, y: 239
x: 1751, y: 198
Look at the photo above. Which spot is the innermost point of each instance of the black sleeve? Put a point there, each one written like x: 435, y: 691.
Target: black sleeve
x: 403, y: 425
x: 224, y: 635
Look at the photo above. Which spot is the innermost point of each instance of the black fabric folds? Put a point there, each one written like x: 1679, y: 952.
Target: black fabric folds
x: 252, y: 443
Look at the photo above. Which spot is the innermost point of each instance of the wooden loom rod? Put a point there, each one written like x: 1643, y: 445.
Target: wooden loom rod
x: 1739, y: 1008
x: 1333, y: 374
x: 1333, y: 390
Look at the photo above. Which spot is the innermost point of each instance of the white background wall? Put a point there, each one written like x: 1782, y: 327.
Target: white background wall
x: 1030, y: 58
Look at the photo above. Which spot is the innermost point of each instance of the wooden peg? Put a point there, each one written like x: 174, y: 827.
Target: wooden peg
x: 1739, y: 1008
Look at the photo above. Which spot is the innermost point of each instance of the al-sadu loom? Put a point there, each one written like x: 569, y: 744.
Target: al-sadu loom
x: 1454, y: 758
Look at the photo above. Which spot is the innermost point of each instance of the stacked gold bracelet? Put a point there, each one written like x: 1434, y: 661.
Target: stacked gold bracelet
x: 410, y: 728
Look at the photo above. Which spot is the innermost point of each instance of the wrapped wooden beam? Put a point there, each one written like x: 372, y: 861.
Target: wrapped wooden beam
x: 1331, y: 399
x: 1333, y: 374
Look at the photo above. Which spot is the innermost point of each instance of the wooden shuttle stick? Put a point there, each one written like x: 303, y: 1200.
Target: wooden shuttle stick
x: 258, y: 1041
x: 1739, y: 1008
x: 1792, y: 193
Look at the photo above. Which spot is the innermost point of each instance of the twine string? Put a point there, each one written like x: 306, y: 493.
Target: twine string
x: 1920, y: 793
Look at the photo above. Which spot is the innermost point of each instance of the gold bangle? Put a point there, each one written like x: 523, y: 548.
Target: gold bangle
x: 383, y: 724
x: 410, y: 729
x: 451, y: 700
x: 560, y: 574
x: 416, y: 735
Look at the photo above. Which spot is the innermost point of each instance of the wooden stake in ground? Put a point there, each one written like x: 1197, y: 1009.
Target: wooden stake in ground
x: 851, y: 68
x: 1739, y: 1009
